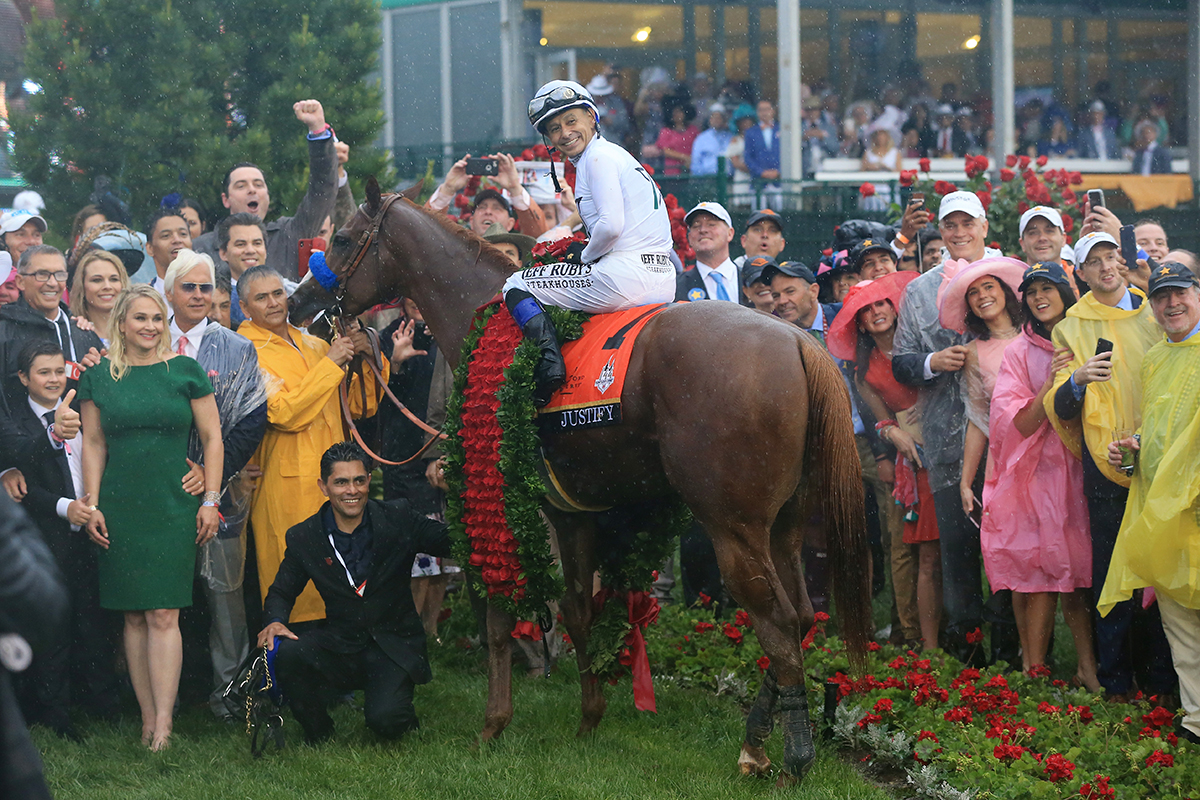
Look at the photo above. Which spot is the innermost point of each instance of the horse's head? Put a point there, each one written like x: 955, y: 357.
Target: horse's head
x: 355, y: 280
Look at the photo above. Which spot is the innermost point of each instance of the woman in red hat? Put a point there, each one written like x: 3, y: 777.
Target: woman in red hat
x: 862, y: 333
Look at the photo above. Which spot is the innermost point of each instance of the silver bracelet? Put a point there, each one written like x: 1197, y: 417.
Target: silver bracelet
x: 212, y: 498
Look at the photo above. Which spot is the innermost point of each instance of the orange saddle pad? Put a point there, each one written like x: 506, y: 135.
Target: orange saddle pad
x: 596, y: 366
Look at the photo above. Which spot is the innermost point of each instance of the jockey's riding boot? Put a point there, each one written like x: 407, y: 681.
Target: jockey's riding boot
x: 531, y: 318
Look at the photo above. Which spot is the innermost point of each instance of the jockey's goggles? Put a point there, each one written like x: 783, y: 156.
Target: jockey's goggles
x: 559, y: 99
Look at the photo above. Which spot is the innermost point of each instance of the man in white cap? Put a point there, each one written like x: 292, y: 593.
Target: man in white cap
x: 1108, y: 332
x: 710, y: 230
x: 928, y: 356
x: 1043, y: 238
x: 20, y: 230
x: 1097, y: 140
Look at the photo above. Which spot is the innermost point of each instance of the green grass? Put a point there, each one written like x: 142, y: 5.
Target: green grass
x: 688, y: 750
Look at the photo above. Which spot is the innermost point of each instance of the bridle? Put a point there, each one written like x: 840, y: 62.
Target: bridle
x: 368, y: 240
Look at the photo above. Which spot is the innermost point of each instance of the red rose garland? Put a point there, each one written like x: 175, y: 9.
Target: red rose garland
x: 493, y: 546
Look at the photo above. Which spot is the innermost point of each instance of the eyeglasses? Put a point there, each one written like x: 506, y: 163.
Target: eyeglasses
x: 205, y: 288
x: 43, y: 275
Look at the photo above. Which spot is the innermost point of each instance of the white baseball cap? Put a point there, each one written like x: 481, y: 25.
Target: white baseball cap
x: 1088, y: 241
x: 1041, y: 211
x: 966, y: 202
x: 6, y: 265
x: 13, y: 220
x: 1067, y: 253
x: 716, y: 209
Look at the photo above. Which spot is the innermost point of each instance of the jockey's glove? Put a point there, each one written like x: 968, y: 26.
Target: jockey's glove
x: 574, y: 253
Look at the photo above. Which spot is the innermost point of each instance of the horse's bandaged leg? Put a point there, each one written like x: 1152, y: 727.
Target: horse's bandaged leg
x: 759, y: 724
x: 798, y: 749
x: 761, y: 719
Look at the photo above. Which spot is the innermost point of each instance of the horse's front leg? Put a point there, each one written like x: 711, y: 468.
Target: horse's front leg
x: 576, y: 544
x: 499, y: 703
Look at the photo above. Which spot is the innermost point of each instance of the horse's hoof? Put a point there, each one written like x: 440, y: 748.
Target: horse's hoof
x: 753, y: 761
x: 491, y: 732
x: 786, y: 781
x: 586, y: 726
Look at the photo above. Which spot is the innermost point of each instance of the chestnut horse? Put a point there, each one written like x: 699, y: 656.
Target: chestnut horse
x: 743, y: 416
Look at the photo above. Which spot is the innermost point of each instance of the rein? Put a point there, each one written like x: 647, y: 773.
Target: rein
x: 369, y: 239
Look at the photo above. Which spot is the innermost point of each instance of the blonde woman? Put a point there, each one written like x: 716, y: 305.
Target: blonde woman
x: 138, y: 407
x: 98, y: 280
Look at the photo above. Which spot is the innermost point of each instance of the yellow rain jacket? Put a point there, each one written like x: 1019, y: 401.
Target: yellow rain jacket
x: 1112, y: 404
x: 304, y: 419
x: 1159, y: 542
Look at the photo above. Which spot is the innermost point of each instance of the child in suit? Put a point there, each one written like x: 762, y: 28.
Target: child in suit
x: 56, y: 503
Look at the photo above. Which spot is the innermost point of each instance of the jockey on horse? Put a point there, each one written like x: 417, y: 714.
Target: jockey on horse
x: 625, y: 263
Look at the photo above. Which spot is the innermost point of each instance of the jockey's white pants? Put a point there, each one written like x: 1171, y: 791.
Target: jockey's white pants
x: 619, y: 280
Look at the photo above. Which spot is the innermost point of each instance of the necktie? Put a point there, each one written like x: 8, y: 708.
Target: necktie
x: 64, y: 337
x: 722, y: 293
x: 946, y: 141
x: 183, y: 340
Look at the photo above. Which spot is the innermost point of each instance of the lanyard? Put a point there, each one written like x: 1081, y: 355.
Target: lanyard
x: 357, y: 589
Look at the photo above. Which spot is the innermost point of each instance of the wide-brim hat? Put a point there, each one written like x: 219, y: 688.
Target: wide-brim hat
x: 842, y: 338
x: 957, y: 277
x: 496, y: 234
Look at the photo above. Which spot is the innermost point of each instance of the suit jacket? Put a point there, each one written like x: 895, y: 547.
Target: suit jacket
x: 385, y: 612
x: 758, y: 156
x: 688, y: 282
x: 1085, y: 144
x: 48, y: 479
x: 1160, y: 161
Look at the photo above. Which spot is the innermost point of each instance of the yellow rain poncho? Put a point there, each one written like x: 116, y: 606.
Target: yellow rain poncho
x: 1159, y: 542
x: 1112, y: 404
x: 304, y: 419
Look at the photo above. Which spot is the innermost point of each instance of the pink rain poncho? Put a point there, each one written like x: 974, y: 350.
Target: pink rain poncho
x: 1034, y: 535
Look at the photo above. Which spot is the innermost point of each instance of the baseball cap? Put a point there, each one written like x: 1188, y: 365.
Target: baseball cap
x: 753, y: 269
x: 13, y: 220
x: 5, y: 266
x: 792, y: 269
x: 716, y: 209
x: 868, y: 246
x: 760, y: 215
x: 1172, y: 274
x: 1067, y: 253
x: 1046, y: 270
x: 492, y: 194
x: 1040, y: 211
x: 961, y: 201
x: 1090, y: 240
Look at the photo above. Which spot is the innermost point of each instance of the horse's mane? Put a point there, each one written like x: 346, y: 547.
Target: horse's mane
x: 487, y: 250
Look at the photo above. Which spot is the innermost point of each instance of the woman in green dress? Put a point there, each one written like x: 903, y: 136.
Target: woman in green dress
x: 138, y: 408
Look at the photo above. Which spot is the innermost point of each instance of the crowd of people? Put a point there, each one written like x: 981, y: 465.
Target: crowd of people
x: 681, y: 128
x: 176, y: 438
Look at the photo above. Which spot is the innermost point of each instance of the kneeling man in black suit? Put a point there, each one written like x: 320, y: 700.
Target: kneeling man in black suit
x: 359, y: 555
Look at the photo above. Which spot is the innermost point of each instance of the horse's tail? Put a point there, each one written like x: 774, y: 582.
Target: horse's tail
x: 835, y: 473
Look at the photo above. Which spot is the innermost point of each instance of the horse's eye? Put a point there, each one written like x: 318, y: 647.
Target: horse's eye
x: 340, y: 241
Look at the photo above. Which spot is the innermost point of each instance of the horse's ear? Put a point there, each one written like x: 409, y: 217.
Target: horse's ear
x: 414, y: 191
x: 373, y: 195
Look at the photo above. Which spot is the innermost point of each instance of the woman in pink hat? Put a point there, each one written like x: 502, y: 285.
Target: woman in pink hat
x: 981, y: 298
x: 1035, y: 535
x: 862, y: 333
